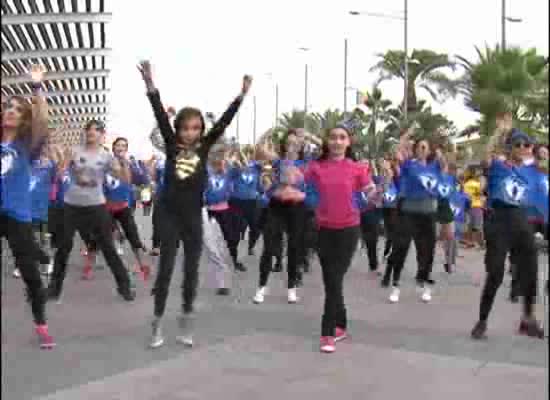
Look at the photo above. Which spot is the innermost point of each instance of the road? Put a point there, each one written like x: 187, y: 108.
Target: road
x: 270, y: 351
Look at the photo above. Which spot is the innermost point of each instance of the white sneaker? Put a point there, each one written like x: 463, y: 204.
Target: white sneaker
x: 426, y: 295
x: 260, y: 296
x: 186, y: 325
x: 119, y: 250
x: 292, y: 296
x: 394, y: 295
x: 157, y: 339
x: 16, y: 273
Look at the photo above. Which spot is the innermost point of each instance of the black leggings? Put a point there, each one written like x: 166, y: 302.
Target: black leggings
x: 230, y: 226
x: 336, y: 249
x: 420, y: 228
x: 125, y: 218
x: 188, y: 229
x: 24, y: 248
x: 89, y: 221
x: 390, y: 227
x: 249, y: 210
x: 370, y: 224
x: 156, y: 219
x: 283, y: 218
x: 55, y: 225
x: 509, y: 231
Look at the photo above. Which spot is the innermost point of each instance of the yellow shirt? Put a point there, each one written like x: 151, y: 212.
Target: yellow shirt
x: 473, y: 189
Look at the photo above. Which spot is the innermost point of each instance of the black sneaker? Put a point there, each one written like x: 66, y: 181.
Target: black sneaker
x: 480, y: 331
x: 278, y: 267
x: 223, y: 292
x: 240, y: 267
x: 127, y: 294
x: 251, y: 252
x: 531, y: 328
x: 447, y: 268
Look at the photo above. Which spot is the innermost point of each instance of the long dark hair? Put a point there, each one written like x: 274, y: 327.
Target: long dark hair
x: 185, y: 114
x: 284, y: 145
x: 325, y: 152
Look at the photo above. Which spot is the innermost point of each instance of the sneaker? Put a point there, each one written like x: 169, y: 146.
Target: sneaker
x: 447, y: 267
x: 386, y: 279
x: 251, y: 252
x: 480, y: 331
x: 327, y: 344
x: 155, y: 252
x: 87, y: 273
x: 260, y: 296
x: 292, y: 296
x: 186, y: 324
x: 119, y: 249
x: 145, y: 272
x: 531, y: 328
x: 340, y: 335
x: 426, y: 295
x: 223, y: 292
x: 278, y: 266
x: 127, y: 294
x: 46, y: 341
x: 240, y: 267
x: 157, y: 339
x: 394, y: 295
x: 16, y: 273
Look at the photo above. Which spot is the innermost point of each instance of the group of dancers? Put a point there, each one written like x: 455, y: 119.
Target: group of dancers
x: 307, y: 195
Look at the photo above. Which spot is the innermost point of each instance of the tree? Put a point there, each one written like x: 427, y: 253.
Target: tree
x: 425, y: 72
x: 511, y: 80
x: 327, y: 120
x: 294, y: 120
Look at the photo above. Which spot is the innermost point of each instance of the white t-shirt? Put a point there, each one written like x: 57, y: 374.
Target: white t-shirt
x: 87, y: 170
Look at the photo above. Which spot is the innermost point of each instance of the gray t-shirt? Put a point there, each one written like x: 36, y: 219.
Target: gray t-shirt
x: 87, y: 170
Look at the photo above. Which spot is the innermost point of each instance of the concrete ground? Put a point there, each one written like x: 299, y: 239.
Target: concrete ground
x: 270, y: 351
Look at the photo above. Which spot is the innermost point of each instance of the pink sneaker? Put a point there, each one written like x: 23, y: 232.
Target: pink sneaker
x: 46, y: 341
x: 88, y: 272
x: 341, y: 334
x: 327, y: 344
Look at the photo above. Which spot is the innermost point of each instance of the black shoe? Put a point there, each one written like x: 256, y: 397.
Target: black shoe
x: 513, y: 298
x: 299, y: 282
x: 430, y: 281
x: 223, y: 292
x: 385, y: 283
x: 480, y: 331
x: 531, y: 328
x: 278, y: 267
x: 240, y: 267
x: 251, y: 252
x: 447, y: 268
x: 127, y: 294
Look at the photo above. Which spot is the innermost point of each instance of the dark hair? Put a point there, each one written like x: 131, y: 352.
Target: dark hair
x: 100, y: 126
x: 431, y: 148
x: 186, y: 114
x: 325, y: 150
x: 119, y: 139
x: 284, y: 141
x: 24, y: 130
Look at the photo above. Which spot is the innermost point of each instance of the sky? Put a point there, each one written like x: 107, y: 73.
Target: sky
x: 201, y: 49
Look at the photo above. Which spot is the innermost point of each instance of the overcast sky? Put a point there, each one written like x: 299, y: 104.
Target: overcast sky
x: 201, y: 49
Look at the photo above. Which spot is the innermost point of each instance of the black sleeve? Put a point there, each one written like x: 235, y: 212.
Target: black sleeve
x: 162, y: 120
x: 219, y: 127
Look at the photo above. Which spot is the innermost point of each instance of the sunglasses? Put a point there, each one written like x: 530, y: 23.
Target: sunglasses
x: 523, y: 144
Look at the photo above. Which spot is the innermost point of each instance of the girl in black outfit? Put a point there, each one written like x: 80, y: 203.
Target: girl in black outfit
x: 181, y: 200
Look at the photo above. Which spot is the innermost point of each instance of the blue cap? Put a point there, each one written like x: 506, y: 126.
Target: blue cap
x: 518, y: 136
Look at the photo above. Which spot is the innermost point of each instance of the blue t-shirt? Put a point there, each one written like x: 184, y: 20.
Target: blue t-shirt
x: 390, y: 196
x: 508, y: 185
x: 15, y: 178
x: 246, y: 181
x: 116, y: 190
x: 159, y: 175
x: 447, y: 186
x: 538, y: 192
x: 40, y: 186
x: 63, y: 182
x: 460, y: 203
x: 219, y: 188
x: 419, y: 181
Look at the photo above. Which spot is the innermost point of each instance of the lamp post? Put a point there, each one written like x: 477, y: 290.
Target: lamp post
x: 503, y: 21
x: 306, y: 79
x: 254, y: 127
x: 345, y: 76
x: 405, y: 18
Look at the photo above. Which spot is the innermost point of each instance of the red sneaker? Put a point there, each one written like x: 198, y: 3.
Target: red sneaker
x: 145, y: 272
x: 341, y: 334
x: 88, y: 272
x: 327, y: 344
x: 46, y: 341
x: 531, y: 329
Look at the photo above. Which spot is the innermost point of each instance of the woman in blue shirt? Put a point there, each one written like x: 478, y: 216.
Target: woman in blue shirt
x: 24, y: 127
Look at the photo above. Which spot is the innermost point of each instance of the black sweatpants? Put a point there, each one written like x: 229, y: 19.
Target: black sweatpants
x: 229, y: 223
x: 24, y: 248
x: 509, y: 231
x: 391, y: 226
x: 370, y: 224
x: 283, y: 218
x: 124, y: 217
x: 89, y: 221
x: 188, y: 229
x: 249, y: 210
x: 55, y: 225
x: 420, y: 228
x: 336, y: 250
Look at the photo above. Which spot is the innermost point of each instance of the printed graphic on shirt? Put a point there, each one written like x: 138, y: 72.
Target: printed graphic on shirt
x: 444, y: 190
x: 186, y: 166
x: 429, y: 182
x: 514, y: 191
x: 247, y: 177
x: 84, y: 174
x: 216, y: 183
x: 455, y: 210
x: 32, y: 183
x: 111, y: 182
x: 8, y: 160
x: 390, y: 196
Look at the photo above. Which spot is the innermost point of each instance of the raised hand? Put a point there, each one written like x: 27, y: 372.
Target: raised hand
x: 37, y: 73
x: 247, y: 83
x: 144, y: 67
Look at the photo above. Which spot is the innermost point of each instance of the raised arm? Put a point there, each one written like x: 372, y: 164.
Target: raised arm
x: 161, y: 115
x: 496, y: 143
x: 39, y: 121
x: 120, y: 168
x: 219, y: 127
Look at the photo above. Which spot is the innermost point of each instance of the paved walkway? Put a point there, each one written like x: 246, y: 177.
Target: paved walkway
x: 246, y: 351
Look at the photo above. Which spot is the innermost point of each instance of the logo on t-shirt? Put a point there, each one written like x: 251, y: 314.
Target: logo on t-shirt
x: 444, y: 190
x: 111, y: 182
x: 389, y: 197
x: 8, y: 160
x: 247, y: 177
x: 216, y: 183
x: 456, y: 210
x: 33, y: 182
x: 514, y: 190
x: 429, y: 182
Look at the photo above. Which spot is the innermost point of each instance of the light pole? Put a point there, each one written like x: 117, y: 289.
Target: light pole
x: 503, y: 21
x: 305, y: 49
x: 345, y: 76
x: 270, y: 76
x: 254, y: 128
x: 405, y: 19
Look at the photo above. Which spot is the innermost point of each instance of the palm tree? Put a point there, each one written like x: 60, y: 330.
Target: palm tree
x: 295, y: 119
x: 425, y: 72
x: 511, y: 80
x: 327, y: 120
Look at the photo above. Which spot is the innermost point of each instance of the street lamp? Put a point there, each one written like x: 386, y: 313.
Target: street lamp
x: 504, y: 19
x: 270, y: 76
x: 405, y: 18
x: 305, y: 49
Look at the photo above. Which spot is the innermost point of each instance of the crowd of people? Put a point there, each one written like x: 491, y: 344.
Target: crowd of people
x: 306, y: 195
